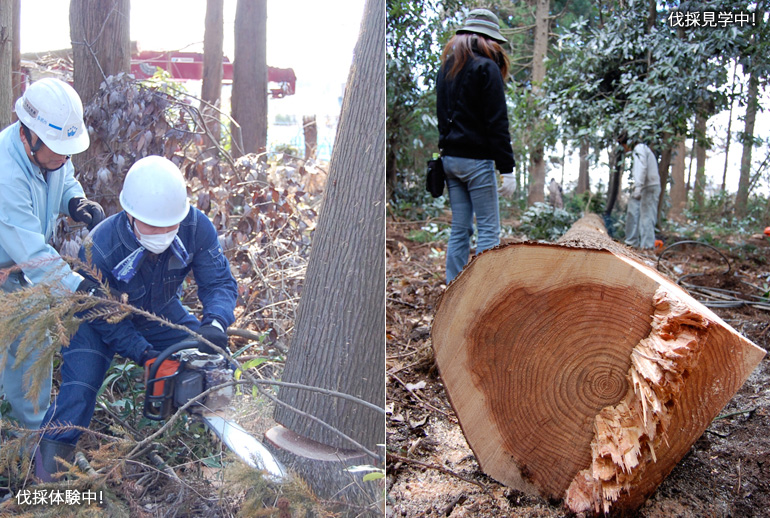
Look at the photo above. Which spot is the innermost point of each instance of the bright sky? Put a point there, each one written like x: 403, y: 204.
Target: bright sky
x: 314, y: 38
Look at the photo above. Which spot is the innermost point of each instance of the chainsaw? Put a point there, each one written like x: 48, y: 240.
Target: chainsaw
x: 182, y: 373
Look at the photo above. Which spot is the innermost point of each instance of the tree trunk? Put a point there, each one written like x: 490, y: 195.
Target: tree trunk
x: 211, y: 87
x: 584, y: 182
x: 16, y: 59
x: 537, y: 155
x: 6, y: 62
x: 742, y: 198
x: 310, y: 131
x: 249, y: 97
x: 728, y: 137
x: 663, y: 166
x: 99, y: 30
x: 101, y: 46
x: 678, y: 186
x: 580, y: 373
x: 700, y: 160
x: 337, y: 342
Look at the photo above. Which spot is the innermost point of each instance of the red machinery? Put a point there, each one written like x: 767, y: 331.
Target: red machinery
x: 189, y: 66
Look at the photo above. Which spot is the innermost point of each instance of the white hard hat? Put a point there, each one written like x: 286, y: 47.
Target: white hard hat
x: 53, y: 110
x: 154, y: 192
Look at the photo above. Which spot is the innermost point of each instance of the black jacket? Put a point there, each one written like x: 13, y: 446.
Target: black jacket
x: 472, y: 113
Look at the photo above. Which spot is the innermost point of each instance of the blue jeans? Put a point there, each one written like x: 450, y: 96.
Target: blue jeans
x: 84, y: 364
x: 27, y: 412
x: 472, y: 190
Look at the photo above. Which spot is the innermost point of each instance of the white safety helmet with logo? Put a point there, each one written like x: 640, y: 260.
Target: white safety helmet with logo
x: 53, y: 110
x: 154, y: 192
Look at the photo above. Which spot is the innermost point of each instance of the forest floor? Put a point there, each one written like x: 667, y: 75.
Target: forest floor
x: 432, y: 470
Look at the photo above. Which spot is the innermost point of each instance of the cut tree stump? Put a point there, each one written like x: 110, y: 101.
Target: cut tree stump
x: 579, y: 373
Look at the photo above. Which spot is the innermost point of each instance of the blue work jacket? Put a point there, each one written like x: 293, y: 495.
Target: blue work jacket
x: 155, y: 286
x: 29, y: 205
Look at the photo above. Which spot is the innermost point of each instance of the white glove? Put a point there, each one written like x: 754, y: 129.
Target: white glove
x: 509, y: 185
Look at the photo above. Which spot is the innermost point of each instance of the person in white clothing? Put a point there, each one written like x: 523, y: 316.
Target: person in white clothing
x: 642, y: 212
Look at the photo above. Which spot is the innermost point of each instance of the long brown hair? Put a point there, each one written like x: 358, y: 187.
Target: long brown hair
x: 461, y: 47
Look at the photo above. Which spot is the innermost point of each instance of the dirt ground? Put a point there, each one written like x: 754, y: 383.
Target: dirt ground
x: 433, y: 472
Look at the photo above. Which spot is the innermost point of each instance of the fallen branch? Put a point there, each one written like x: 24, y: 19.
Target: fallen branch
x: 399, y: 458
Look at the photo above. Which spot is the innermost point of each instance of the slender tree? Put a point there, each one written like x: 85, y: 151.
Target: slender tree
x: 741, y: 199
x: 249, y: 96
x: 537, y: 158
x: 6, y: 61
x: 211, y: 89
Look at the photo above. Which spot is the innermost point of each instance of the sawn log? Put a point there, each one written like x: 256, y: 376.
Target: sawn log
x: 579, y: 373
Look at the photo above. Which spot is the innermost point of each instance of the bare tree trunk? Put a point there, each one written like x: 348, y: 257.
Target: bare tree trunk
x: 742, y: 198
x: 663, y: 166
x: 537, y: 156
x: 6, y: 62
x: 678, y: 186
x: 211, y: 88
x: 582, y: 373
x: 337, y: 342
x: 728, y: 137
x: 310, y: 131
x: 584, y: 182
x: 700, y: 160
x: 99, y: 30
x: 17, y: 78
x: 249, y: 97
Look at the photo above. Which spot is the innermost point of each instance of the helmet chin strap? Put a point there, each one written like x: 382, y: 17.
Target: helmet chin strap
x: 34, y: 149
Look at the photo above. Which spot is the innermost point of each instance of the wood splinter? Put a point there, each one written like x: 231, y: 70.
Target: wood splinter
x: 626, y: 435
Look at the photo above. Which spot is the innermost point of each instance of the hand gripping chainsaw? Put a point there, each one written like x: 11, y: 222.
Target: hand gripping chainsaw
x: 181, y: 373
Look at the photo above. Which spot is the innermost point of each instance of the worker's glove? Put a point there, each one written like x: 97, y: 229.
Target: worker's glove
x: 509, y: 185
x: 637, y: 195
x: 147, y: 357
x: 86, y: 211
x: 214, y: 333
x: 93, y: 288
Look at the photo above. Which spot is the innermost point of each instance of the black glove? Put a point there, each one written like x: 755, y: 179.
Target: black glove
x: 148, y: 355
x: 214, y: 335
x: 92, y: 287
x: 86, y: 211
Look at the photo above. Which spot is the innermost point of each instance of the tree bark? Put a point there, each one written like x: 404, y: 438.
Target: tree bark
x: 580, y: 373
x: 584, y: 182
x: 17, y: 79
x: 6, y: 62
x: 249, y: 96
x: 537, y: 155
x: 678, y: 186
x: 728, y: 137
x: 742, y: 197
x: 700, y: 160
x: 663, y: 166
x: 99, y: 30
x: 337, y: 342
x: 211, y: 87
x: 101, y: 47
x: 310, y: 131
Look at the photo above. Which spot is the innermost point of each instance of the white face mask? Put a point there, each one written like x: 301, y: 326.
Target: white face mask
x: 156, y: 243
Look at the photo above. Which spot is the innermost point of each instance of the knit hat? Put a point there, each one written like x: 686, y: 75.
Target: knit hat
x: 484, y: 22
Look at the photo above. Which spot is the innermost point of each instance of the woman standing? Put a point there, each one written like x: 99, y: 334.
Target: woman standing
x: 473, y: 133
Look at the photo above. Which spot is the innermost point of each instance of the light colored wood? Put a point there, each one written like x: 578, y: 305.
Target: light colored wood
x: 535, y: 341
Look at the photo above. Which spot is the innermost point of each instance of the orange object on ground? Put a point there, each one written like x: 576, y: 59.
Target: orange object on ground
x: 658, y: 244
x: 167, y: 368
x: 767, y: 231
